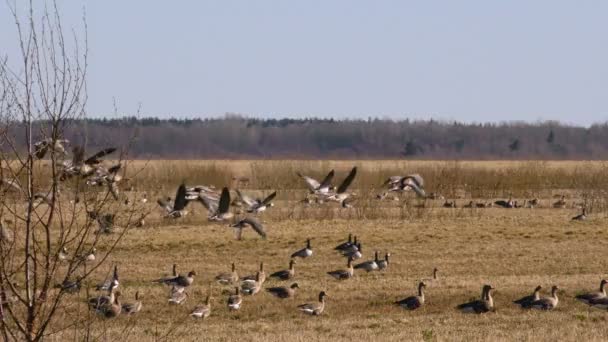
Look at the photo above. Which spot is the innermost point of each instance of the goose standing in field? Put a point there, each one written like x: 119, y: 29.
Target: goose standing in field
x: 260, y: 275
x: 258, y: 205
x: 587, y: 298
x: 383, y: 264
x: 110, y: 282
x: 561, y: 203
x: 248, y: 222
x: 341, y: 195
x: 448, y: 204
x: 482, y: 305
x: 506, y: 204
x: 70, y: 286
x: 471, y: 204
x: 283, y: 292
x: 286, y: 274
x: 179, y: 282
x: 344, y: 273
x: 88, y: 257
x: 370, y: 265
x: 304, y: 252
x: 314, y: 309
x: 526, y: 301
x: 100, y: 301
x: 179, y: 205
x: 112, y: 309
x: 235, y: 300
x: 413, y: 302
x: 202, y: 310
x: 347, y: 244
x: 228, y: 278
x: 132, y: 308
x: 251, y: 288
x: 218, y: 211
x: 547, y: 303
x: 177, y: 296
x: 353, y: 252
x: 582, y: 216
x: 318, y: 189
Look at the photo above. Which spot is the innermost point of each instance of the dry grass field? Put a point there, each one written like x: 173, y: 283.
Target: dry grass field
x: 512, y: 249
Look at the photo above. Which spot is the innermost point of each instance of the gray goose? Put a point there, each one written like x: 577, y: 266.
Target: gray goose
x: 317, y: 188
x: 111, y: 310
x: 304, y: 252
x: 547, y: 303
x: 345, y: 245
x: 228, y: 278
x: 178, y: 209
x: 286, y: 274
x: 248, y: 222
x: 179, y: 282
x: 283, y: 292
x: 587, y: 298
x: 413, y: 302
x: 219, y: 211
x: 235, y: 300
x: 341, y: 195
x: 132, y: 308
x: 98, y: 302
x: 177, y: 297
x: 314, y: 309
x: 482, y: 305
x: 43, y: 146
x: 251, y: 288
x: 202, y: 310
x: 258, y: 205
x: 383, y: 264
x: 344, y: 273
x: 259, y: 276
x: 370, y: 265
x: 526, y: 301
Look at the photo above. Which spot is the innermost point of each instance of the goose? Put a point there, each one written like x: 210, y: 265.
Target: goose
x: 506, y: 204
x: 251, y: 288
x: 392, y: 180
x: 532, y: 203
x: 582, y: 216
x: 57, y: 146
x: 259, y: 276
x: 99, y: 301
x: 434, y: 278
x: 202, y: 310
x: 304, y: 252
x: 286, y: 274
x: 482, y: 305
x: 177, y: 297
x: 110, y: 282
x: 599, y: 303
x: 448, y: 204
x: 283, y: 292
x: 413, y: 302
x: 179, y: 282
x: 341, y: 195
x: 383, y: 264
x: 344, y: 273
x: 370, y: 265
x: 179, y: 205
x: 112, y: 309
x: 70, y: 286
x: 526, y: 301
x: 108, y: 177
x: 409, y: 183
x: 314, y: 309
x: 256, y: 205
x: 317, y: 188
x: 104, y: 221
x: 484, y: 205
x: 63, y: 254
x: 343, y: 246
x: 561, y: 203
x: 89, y: 257
x: 80, y: 166
x: 218, y: 211
x: 471, y: 204
x: 132, y: 308
x: 546, y: 303
x: 228, y: 278
x: 587, y: 298
x: 235, y: 300
x: 251, y: 222
x: 354, y: 252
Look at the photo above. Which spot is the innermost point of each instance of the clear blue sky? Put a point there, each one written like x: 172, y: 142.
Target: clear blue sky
x: 464, y: 60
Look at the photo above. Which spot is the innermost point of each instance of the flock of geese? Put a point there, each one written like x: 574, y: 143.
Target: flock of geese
x: 218, y: 205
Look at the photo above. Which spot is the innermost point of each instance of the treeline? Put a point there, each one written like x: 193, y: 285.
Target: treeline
x: 239, y: 137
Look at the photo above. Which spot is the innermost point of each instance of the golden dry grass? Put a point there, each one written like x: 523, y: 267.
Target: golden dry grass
x: 512, y: 249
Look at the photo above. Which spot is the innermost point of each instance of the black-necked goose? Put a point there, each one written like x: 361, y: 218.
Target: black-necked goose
x: 370, y: 265
x: 132, y: 308
x: 99, y: 301
x: 314, y: 309
x: 248, y: 222
x: 283, y: 292
x: 257, y: 205
x: 111, y: 310
x: 588, y: 297
x: 202, y: 310
x: 506, y: 204
x: 258, y: 276
x: 547, y: 303
x: 105, y: 286
x: 179, y: 282
x: 353, y: 252
x: 235, y: 300
x: 383, y: 264
x: 414, y: 302
x: 179, y: 205
x: 304, y: 252
x: 341, y: 195
x: 286, y: 274
x: 344, y: 245
x: 344, y: 273
x: 317, y: 188
x: 228, y: 278
x: 482, y: 305
x: 448, y: 204
x: 582, y: 216
x: 526, y: 301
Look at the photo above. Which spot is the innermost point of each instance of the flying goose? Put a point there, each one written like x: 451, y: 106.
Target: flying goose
x: 370, y: 265
x: 383, y: 264
x: 179, y: 205
x: 314, y: 309
x: 482, y: 305
x: 317, y: 188
x: 526, y: 301
x: 582, y: 216
x: 256, y: 205
x: 413, y: 302
x: 347, y: 244
x: 411, y: 182
x: 132, y: 308
x: 344, y: 273
x: 546, y: 303
x: 251, y: 222
x: 341, y: 195
x: 220, y: 211
x: 43, y: 146
x: 251, y: 288
x: 283, y: 292
x: 587, y: 298
x: 179, y: 282
x: 80, y: 166
x: 286, y: 274
x: 235, y: 300
x: 354, y: 252
x: 111, y: 309
x: 177, y: 297
x: 304, y: 252
x: 228, y: 278
x: 202, y: 310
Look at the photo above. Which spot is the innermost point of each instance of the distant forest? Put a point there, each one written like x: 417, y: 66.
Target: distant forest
x: 240, y: 137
